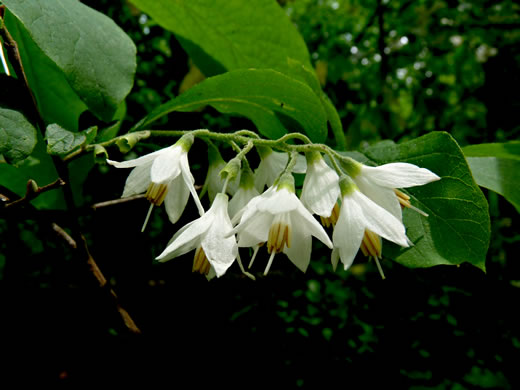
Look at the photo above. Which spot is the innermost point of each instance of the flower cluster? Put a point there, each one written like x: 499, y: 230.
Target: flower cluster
x: 361, y: 204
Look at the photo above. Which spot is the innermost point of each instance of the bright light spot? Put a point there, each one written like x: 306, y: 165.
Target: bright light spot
x: 143, y: 18
x: 392, y: 33
x: 146, y: 30
x: 409, y: 81
x: 354, y: 50
x: 429, y: 91
x: 418, y: 65
x: 428, y: 73
x: 315, y: 56
x: 364, y: 61
x: 377, y: 57
x: 401, y: 73
x: 387, y: 50
x: 347, y: 37
x: 456, y: 40
x: 403, y: 40
x: 334, y: 5
x: 446, y: 21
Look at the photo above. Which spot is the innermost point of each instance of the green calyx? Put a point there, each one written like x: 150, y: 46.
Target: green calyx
x: 230, y: 171
x: 185, y: 142
x: 264, y: 151
x: 313, y: 157
x: 352, y: 167
x: 285, y: 181
x: 347, y: 185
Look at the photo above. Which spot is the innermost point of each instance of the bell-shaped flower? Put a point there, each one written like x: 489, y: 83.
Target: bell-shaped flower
x: 272, y: 164
x: 359, y: 214
x: 379, y: 183
x: 278, y: 218
x: 320, y: 190
x: 245, y: 192
x: 165, y: 176
x: 214, y: 252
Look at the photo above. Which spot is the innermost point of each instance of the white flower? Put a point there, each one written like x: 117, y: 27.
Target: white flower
x: 165, y: 176
x: 215, y: 253
x: 358, y: 213
x: 320, y: 190
x: 272, y: 164
x: 379, y: 183
x: 279, y: 218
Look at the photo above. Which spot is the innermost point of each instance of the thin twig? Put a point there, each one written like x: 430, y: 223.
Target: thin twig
x: 129, y: 322
x: 114, y: 202
x: 33, y: 191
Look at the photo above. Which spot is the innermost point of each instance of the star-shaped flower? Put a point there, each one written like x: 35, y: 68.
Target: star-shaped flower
x: 214, y: 252
x: 165, y: 176
x: 358, y: 213
x: 279, y: 218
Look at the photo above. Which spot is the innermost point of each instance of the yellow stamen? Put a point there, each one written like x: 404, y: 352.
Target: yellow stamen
x: 279, y: 235
x: 156, y: 193
x: 200, y: 262
x: 331, y: 221
x: 404, y: 200
x: 371, y: 244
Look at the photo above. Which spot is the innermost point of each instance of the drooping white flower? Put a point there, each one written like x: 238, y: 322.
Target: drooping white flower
x: 165, y: 176
x: 358, y: 214
x: 214, y: 252
x: 379, y: 183
x: 320, y: 190
x: 272, y: 164
x: 278, y: 218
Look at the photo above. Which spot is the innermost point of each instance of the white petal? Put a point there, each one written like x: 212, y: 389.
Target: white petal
x: 399, y: 175
x: 309, y: 225
x: 301, y: 164
x: 320, y: 190
x: 189, y: 180
x: 379, y: 220
x: 137, y: 161
x: 188, y: 240
x: 348, y: 232
x: 241, y: 199
x: 301, y: 246
x: 383, y: 196
x: 261, y: 175
x: 215, y: 182
x: 254, y: 230
x: 138, y: 180
x: 334, y: 258
x: 176, y: 199
x: 220, y: 251
x: 278, y: 201
x: 166, y: 166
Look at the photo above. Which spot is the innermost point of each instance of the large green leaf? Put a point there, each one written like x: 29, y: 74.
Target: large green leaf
x: 61, y: 141
x: 64, y: 40
x: 17, y: 135
x: 497, y: 168
x: 457, y: 229
x: 274, y: 102
x: 231, y: 34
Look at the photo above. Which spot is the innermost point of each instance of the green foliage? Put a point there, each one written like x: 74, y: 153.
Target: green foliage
x: 221, y: 36
x: 269, y: 98
x: 79, y: 46
x: 457, y: 229
x: 17, y: 136
x: 61, y: 141
x: 497, y: 168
